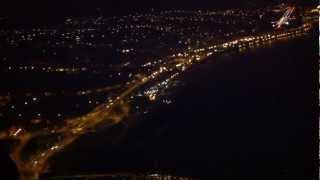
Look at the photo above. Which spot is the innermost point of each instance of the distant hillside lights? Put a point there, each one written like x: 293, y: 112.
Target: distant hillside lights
x: 46, y: 69
x: 126, y: 51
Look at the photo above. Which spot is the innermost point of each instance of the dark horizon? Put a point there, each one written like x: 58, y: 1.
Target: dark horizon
x: 37, y: 11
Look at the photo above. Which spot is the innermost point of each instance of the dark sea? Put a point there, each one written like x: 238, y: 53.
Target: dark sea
x: 249, y: 115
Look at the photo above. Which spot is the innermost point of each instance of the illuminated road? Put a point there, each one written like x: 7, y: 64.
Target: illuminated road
x: 105, y: 113
x: 284, y: 19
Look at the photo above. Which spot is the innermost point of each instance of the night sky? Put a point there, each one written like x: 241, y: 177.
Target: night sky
x: 52, y: 10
